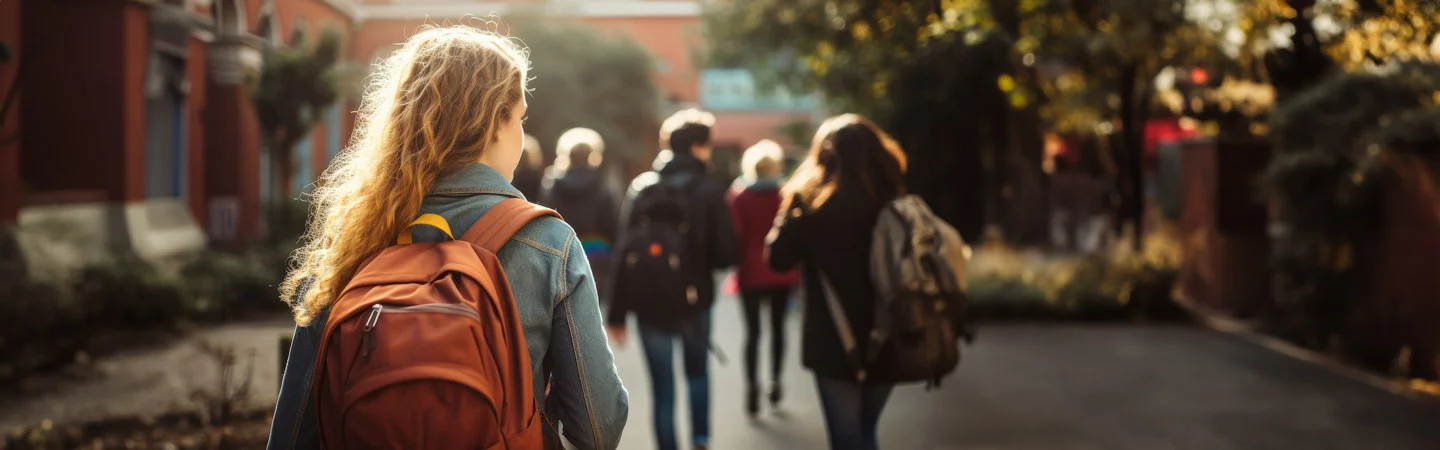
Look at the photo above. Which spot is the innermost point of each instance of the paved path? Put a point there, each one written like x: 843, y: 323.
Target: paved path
x: 150, y: 381
x: 1078, y: 387
x: 1022, y: 387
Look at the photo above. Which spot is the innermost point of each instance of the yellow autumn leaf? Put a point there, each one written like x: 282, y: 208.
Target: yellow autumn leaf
x: 1018, y: 100
x: 861, y: 31
x: 825, y: 49
x: 1006, y: 83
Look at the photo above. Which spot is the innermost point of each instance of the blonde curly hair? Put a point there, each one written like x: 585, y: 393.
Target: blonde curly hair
x: 430, y: 109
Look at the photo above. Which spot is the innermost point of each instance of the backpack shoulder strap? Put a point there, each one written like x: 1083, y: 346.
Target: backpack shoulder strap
x: 502, y: 221
x: 842, y: 327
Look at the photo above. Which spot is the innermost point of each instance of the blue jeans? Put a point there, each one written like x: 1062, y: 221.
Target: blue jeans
x: 852, y: 412
x: 659, y: 347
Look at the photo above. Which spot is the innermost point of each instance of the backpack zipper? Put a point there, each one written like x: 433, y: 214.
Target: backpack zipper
x: 368, y: 343
x: 443, y: 308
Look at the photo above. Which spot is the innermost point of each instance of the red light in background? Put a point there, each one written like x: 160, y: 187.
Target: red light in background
x: 1199, y: 76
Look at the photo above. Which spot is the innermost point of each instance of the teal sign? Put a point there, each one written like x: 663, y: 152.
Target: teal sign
x: 735, y: 89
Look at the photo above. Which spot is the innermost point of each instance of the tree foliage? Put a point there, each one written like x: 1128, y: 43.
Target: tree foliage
x: 1289, y: 35
x: 295, y: 86
x: 927, y: 76
x: 1333, y: 145
x: 1087, y: 65
x: 297, y: 83
x: 581, y: 78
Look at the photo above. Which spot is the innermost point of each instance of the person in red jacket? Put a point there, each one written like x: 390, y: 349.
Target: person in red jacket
x: 753, y: 210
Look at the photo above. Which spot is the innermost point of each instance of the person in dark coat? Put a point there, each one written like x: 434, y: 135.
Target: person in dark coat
x: 825, y: 225
x: 753, y: 209
x: 530, y: 171
x: 712, y: 247
x: 575, y: 187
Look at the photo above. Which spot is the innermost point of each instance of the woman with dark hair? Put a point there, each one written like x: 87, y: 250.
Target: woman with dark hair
x: 825, y: 225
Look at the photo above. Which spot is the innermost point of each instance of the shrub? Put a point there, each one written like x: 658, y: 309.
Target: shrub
x: 128, y: 293
x: 232, y: 383
x: 222, y: 285
x: 1006, y: 283
x: 1005, y: 298
x: 1333, y: 143
x: 38, y: 328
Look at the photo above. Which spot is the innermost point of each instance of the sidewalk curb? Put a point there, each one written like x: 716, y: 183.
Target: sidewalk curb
x: 1248, y: 330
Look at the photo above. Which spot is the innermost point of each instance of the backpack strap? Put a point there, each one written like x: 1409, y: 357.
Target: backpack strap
x: 842, y: 327
x: 502, y: 221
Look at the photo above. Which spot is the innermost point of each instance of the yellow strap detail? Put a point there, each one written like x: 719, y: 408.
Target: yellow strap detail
x: 428, y: 219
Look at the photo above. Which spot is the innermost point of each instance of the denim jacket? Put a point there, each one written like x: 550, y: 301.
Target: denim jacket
x: 558, y: 303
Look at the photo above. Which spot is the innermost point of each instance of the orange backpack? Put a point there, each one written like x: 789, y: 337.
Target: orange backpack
x: 424, y: 348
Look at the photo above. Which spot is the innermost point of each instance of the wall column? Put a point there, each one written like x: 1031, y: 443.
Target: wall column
x: 232, y: 164
x: 10, y: 34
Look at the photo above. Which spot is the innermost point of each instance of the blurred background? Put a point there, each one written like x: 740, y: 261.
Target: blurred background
x: 1204, y: 224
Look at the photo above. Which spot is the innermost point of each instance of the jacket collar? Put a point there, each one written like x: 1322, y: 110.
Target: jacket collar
x: 684, y: 163
x: 475, y: 179
x: 765, y: 183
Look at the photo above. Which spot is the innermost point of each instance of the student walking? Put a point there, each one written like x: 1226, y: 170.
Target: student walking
x: 422, y: 257
x: 575, y: 186
x: 531, y: 170
x: 829, y: 214
x: 677, y: 233
x: 754, y: 209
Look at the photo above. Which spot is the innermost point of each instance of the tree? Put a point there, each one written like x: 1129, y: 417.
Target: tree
x: 583, y: 79
x: 1089, y: 63
x: 297, y: 83
x: 1333, y: 143
x: 922, y: 69
x: 1325, y: 35
x: 1098, y: 62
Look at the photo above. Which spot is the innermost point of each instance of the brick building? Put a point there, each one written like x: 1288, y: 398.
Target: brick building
x: 135, y: 113
x: 138, y: 110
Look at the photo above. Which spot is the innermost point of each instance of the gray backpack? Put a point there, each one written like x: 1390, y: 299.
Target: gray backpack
x: 917, y: 265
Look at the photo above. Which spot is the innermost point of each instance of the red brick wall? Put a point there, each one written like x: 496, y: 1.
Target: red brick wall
x: 81, y: 87
x: 10, y: 137
x: 375, y: 35
x: 233, y: 154
x: 670, y: 40
x: 1224, y: 271
x: 1398, y: 302
x: 136, y: 53
x: 196, y: 64
x: 317, y: 15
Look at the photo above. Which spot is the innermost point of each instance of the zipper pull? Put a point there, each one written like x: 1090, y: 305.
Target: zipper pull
x: 368, y: 343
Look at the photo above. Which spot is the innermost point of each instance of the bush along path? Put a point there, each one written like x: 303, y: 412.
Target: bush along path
x: 1116, y: 285
x: 47, y: 325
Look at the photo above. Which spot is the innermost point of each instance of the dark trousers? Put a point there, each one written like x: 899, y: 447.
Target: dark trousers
x: 753, y: 302
x: 852, y: 412
x: 659, y: 346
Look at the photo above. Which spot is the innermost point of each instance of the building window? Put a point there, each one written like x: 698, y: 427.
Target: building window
x: 165, y: 127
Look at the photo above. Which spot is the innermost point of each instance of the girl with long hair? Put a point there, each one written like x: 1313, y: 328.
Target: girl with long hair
x: 440, y: 132
x: 825, y: 225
